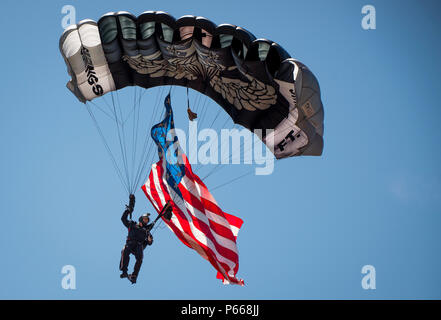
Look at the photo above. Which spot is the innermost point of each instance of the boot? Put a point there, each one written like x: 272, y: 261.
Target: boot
x: 132, y: 277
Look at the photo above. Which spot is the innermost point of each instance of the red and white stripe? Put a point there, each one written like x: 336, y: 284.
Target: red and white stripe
x: 197, y: 220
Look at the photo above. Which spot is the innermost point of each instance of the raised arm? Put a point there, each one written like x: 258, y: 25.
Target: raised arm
x: 129, y: 210
x: 124, y: 219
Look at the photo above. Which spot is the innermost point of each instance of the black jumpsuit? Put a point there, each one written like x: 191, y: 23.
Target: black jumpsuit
x: 137, y: 240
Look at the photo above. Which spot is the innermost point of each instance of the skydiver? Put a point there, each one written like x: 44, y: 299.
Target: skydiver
x: 138, y: 238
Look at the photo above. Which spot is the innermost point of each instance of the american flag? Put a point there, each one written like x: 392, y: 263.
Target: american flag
x: 197, y: 219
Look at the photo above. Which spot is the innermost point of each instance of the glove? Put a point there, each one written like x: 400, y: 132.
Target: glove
x: 129, y: 209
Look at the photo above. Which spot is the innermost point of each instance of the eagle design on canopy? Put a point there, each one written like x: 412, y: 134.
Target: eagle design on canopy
x: 155, y: 66
x: 250, y: 95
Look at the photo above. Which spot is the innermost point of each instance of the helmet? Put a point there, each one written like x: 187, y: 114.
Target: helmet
x: 145, y: 215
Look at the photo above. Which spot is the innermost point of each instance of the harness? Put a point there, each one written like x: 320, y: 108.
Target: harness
x: 138, y: 242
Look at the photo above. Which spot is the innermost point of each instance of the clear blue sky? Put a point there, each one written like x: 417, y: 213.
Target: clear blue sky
x: 374, y: 197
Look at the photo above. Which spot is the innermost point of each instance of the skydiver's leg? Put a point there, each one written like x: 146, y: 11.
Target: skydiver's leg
x: 139, y: 255
x: 125, y: 259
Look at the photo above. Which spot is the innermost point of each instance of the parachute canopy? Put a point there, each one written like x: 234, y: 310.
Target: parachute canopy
x: 254, y: 80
